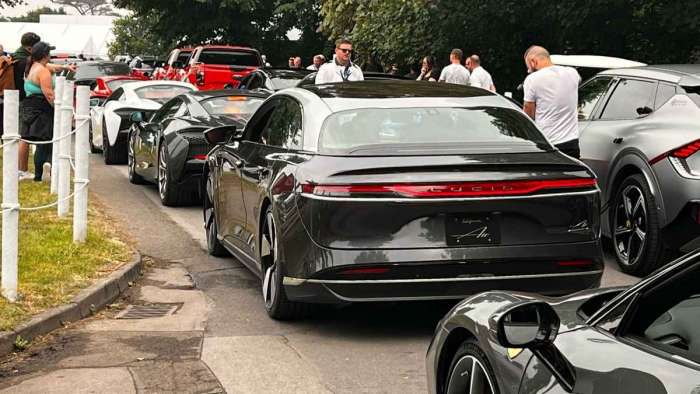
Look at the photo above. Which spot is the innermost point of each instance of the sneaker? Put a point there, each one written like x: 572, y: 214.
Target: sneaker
x: 46, y: 175
x: 25, y: 175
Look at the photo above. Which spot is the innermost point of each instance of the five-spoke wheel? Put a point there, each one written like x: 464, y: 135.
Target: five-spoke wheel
x: 470, y: 372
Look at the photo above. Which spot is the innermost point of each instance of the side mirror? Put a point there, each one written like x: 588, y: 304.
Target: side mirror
x: 137, y: 117
x: 221, y: 135
x: 643, y: 111
x: 527, y: 325
x: 534, y: 325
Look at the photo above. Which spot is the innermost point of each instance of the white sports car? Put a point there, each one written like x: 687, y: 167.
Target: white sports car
x: 128, y: 103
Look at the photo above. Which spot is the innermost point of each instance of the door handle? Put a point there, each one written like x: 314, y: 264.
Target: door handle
x: 618, y: 140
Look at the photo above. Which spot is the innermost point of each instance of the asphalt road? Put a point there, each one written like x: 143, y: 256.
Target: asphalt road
x: 360, y: 348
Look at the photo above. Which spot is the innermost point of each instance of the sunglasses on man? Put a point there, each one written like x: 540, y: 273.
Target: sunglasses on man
x: 345, y: 50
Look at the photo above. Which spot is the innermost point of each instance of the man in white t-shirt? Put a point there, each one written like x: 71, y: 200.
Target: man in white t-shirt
x: 341, y: 69
x: 455, y: 72
x: 478, y: 76
x: 551, y: 99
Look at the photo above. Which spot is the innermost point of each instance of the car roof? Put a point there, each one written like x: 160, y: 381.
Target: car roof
x: 206, y: 94
x: 274, y: 72
x: 137, y: 85
x: 394, y: 89
x: 237, y: 47
x: 399, y: 94
x: 594, y: 61
x: 108, y: 78
x: 95, y: 62
x: 663, y: 72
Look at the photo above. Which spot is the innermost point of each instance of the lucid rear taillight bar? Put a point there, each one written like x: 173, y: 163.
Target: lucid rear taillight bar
x: 448, y: 190
x: 682, y: 152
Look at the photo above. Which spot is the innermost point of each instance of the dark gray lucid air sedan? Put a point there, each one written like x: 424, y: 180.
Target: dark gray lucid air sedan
x: 398, y: 190
x: 641, y: 339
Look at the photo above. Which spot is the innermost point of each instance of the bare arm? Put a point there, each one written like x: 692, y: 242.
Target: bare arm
x: 529, y: 107
x: 55, y: 68
x: 46, y: 85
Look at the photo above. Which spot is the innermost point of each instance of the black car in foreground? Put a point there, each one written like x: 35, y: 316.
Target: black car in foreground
x: 270, y: 80
x: 643, y: 339
x: 170, y: 150
x: 398, y: 190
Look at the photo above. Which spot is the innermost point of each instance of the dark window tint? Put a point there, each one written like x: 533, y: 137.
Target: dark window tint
x: 629, y: 96
x: 663, y: 94
x: 255, y: 82
x: 612, y: 320
x: 590, y: 94
x: 94, y: 70
x: 116, y: 95
x: 183, y: 58
x: 429, y: 130
x: 167, y: 111
x: 284, y: 127
x: 233, y: 58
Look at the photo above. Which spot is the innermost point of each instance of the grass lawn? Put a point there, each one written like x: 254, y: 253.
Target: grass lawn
x: 51, y: 268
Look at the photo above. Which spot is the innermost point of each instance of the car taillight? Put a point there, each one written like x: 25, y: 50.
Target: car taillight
x: 575, y: 263
x: 200, y: 157
x: 447, y: 190
x: 365, y: 271
x: 683, y: 152
x: 200, y: 77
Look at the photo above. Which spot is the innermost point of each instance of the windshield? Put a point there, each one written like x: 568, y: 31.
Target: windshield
x: 161, y: 93
x: 183, y: 58
x: 405, y: 131
x: 232, y: 58
x: 94, y: 70
x: 237, y: 106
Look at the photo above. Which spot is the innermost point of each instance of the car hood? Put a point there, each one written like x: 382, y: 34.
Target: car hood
x: 594, y: 61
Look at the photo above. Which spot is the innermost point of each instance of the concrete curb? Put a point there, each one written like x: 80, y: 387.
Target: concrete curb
x: 84, y: 304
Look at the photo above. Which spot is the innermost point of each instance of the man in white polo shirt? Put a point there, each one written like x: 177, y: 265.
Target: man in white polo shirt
x: 479, y: 77
x: 551, y: 99
x: 455, y: 72
x: 340, y: 69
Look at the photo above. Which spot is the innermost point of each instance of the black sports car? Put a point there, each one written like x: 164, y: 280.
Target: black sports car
x: 169, y: 149
x: 643, y: 339
x: 270, y: 80
x: 398, y: 190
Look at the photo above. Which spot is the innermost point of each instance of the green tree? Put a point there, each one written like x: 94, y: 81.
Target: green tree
x: 132, y: 36
x: 10, y: 3
x: 33, y: 15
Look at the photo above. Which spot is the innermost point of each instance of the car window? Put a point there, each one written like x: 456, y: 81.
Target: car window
x: 628, y: 96
x: 258, y: 121
x: 116, y: 95
x: 612, y: 319
x: 255, y: 82
x: 181, y: 110
x: 589, y: 95
x: 284, y: 128
x: 229, y: 57
x: 166, y: 111
x: 667, y: 316
x: 183, y: 58
x: 664, y: 93
x: 429, y: 130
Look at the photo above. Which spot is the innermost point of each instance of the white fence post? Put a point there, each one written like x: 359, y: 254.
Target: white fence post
x: 10, y: 195
x: 80, y: 179
x: 64, y: 150
x: 58, y: 90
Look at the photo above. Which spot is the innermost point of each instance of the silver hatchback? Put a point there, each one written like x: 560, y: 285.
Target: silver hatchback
x: 640, y: 133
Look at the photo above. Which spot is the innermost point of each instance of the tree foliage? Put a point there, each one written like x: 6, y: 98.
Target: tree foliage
x: 260, y: 23
x: 33, y: 15
x: 88, y: 7
x: 653, y: 31
x: 10, y: 3
x: 133, y: 36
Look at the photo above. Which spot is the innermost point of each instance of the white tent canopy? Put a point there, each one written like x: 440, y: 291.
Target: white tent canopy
x: 72, y: 37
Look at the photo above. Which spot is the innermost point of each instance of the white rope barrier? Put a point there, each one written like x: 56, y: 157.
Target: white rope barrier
x: 62, y: 166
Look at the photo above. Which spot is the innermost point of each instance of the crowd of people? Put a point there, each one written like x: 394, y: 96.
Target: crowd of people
x: 28, y: 69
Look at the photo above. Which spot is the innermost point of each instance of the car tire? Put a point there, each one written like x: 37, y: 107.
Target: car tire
x: 634, y: 228
x: 468, y: 359
x: 134, y: 177
x: 214, y: 246
x: 112, y: 154
x: 277, y: 305
x: 169, y: 194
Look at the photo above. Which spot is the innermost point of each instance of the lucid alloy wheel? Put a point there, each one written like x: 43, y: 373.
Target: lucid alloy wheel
x: 276, y: 303
x: 635, y: 228
x: 470, y: 372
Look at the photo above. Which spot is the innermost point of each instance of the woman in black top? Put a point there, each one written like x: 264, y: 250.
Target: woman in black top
x: 428, y: 72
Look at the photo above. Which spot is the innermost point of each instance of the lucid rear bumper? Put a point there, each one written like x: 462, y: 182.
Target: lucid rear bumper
x: 427, y: 274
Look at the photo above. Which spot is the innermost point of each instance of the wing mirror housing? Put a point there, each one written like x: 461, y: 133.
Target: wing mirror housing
x: 222, y: 135
x: 137, y: 117
x: 643, y: 111
x: 534, y: 325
